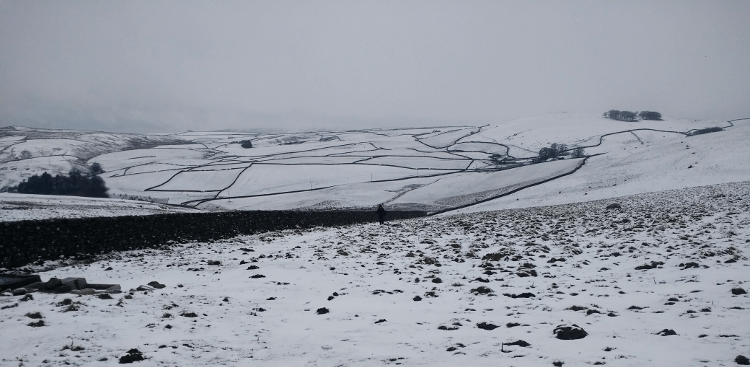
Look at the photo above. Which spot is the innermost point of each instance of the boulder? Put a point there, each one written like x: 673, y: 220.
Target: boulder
x: 569, y: 332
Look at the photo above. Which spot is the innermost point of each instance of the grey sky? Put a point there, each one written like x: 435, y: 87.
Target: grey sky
x: 146, y: 66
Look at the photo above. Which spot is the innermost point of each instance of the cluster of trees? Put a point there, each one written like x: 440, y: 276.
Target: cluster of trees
x: 632, y: 116
x: 555, y: 150
x: 74, y: 184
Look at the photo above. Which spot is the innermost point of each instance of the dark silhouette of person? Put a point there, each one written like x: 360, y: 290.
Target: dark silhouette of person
x: 381, y: 213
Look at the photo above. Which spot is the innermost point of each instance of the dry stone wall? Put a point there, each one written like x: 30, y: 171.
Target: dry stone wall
x: 25, y: 242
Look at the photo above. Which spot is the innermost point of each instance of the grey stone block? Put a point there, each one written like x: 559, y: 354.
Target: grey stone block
x: 75, y: 283
x: 52, y: 284
x: 19, y: 291
x: 13, y: 281
x: 65, y: 288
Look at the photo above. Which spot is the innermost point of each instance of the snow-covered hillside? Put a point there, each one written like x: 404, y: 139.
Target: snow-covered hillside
x: 433, y: 169
x: 659, y: 279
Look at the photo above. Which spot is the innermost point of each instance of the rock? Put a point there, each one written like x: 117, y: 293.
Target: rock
x: 63, y: 288
x: 380, y: 321
x: 134, y: 355
x: 487, y: 326
x: 417, y: 298
x: 654, y: 264
x: 75, y: 283
x: 156, y: 284
x: 522, y: 295
x: 666, y: 332
x: 614, y: 206
x: 214, y: 262
x: 742, y: 360
x: 738, y: 291
x: 113, y: 289
x: 52, y: 284
x: 520, y: 343
x: 322, y: 311
x: 19, y: 291
x: 572, y: 332
x: 144, y: 288
x: 481, y: 290
x: 86, y: 291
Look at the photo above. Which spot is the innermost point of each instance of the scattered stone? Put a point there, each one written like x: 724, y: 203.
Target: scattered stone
x: 522, y: 295
x: 481, y: 290
x: 258, y: 276
x: 144, y: 288
x: 156, y: 284
x: 322, y: 311
x: 666, y: 332
x: 614, y: 206
x: 512, y: 324
x: 654, y: 264
x: 738, y: 291
x: 520, y: 343
x: 572, y: 332
x: 253, y: 267
x: 742, y: 360
x: 34, y: 315
x: 417, y: 298
x: 7, y: 307
x: 689, y: 265
x: 447, y: 328
x: 437, y: 280
x: 379, y: 321
x: 213, y: 262
x: 487, y: 326
x: 133, y: 355
x: 38, y: 323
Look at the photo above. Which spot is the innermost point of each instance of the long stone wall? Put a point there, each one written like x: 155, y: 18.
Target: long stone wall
x: 25, y: 242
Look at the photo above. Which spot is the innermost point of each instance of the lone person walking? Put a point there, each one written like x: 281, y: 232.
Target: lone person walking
x: 381, y: 213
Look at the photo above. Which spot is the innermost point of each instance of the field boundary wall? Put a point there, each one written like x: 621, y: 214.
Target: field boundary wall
x: 24, y: 242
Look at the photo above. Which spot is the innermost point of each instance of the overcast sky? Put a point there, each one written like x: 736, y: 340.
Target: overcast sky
x: 167, y: 66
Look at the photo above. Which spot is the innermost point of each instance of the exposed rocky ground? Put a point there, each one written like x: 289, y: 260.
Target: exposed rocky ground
x: 651, y: 279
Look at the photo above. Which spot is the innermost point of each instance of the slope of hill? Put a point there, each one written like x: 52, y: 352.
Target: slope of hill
x: 660, y: 281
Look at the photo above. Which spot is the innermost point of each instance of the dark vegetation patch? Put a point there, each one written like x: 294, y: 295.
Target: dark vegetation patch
x: 87, y: 184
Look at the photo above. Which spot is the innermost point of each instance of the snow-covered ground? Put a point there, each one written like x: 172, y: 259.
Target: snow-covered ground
x: 15, y: 207
x: 415, y: 292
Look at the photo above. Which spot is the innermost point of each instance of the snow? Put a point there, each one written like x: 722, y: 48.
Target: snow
x: 241, y: 320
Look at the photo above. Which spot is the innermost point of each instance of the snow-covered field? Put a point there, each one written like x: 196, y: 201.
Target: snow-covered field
x: 416, y: 292
x: 433, y: 169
